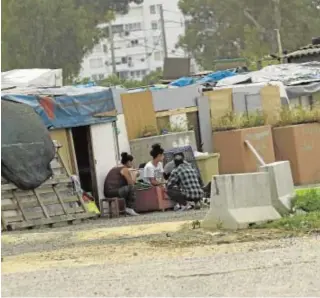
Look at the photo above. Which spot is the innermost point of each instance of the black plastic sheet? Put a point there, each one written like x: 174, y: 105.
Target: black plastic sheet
x: 27, y: 148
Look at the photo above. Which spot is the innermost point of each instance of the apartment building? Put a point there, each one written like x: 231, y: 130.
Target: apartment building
x: 138, y: 42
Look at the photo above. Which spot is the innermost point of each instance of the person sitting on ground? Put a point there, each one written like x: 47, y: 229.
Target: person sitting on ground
x: 120, y: 183
x: 183, y: 185
x: 153, y: 170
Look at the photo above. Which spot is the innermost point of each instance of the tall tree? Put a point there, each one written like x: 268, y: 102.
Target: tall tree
x: 53, y: 34
x: 230, y: 28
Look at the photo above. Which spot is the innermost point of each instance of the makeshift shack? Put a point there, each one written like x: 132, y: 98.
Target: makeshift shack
x: 83, y: 121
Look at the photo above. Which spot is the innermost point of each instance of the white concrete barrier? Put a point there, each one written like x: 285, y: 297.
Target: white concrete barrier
x: 238, y: 200
x: 281, y: 183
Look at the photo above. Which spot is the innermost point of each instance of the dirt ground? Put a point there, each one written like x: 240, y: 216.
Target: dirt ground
x: 119, y: 240
x: 123, y: 257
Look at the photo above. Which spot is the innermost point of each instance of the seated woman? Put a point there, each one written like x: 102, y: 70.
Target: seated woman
x: 120, y: 183
x: 153, y: 170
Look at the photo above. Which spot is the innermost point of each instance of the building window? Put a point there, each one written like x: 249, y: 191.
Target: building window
x: 101, y: 76
x: 124, y: 60
x: 123, y: 74
x: 117, y: 28
x: 105, y: 48
x: 132, y: 73
x: 154, y: 25
x: 134, y: 42
x: 132, y: 27
x: 152, y: 9
x: 157, y: 56
x: 159, y: 7
x: 143, y: 72
x: 96, y: 63
x: 138, y: 73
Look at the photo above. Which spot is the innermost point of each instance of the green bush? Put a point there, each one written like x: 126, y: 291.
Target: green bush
x: 302, y: 222
x: 308, y: 200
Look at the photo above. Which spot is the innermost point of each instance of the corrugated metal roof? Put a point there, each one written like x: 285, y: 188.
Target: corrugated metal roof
x: 309, y: 50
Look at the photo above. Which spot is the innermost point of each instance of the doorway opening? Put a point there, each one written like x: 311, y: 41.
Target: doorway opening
x: 83, y: 150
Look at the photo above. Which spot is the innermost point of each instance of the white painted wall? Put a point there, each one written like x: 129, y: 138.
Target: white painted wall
x: 123, y: 140
x: 104, y: 152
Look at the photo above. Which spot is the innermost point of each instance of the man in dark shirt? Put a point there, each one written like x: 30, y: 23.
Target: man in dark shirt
x: 184, y: 184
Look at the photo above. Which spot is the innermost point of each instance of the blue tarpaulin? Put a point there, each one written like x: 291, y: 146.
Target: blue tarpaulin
x: 181, y: 82
x: 210, y: 78
x: 67, y: 106
x: 216, y: 76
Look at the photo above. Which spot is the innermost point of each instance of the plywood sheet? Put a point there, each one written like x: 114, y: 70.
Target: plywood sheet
x: 271, y: 103
x: 139, y: 113
x: 220, y: 102
x: 60, y: 135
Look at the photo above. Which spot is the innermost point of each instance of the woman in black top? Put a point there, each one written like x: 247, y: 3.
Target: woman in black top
x: 119, y: 183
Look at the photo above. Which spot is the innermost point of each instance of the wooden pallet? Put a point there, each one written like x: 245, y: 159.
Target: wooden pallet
x: 53, y: 202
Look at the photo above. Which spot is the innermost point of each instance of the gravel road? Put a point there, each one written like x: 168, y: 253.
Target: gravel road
x: 101, y: 261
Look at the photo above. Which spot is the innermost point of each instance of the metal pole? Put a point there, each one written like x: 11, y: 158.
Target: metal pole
x: 279, y: 45
x: 113, y: 59
x: 163, y: 31
x: 256, y: 154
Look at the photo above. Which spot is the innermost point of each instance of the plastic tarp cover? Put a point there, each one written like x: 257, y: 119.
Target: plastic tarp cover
x: 289, y: 74
x: 37, y: 77
x: 216, y: 76
x: 26, y: 146
x: 302, y: 90
x: 67, y: 106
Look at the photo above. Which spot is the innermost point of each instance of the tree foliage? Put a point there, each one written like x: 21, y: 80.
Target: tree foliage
x: 53, y: 33
x: 152, y: 78
x: 231, y: 28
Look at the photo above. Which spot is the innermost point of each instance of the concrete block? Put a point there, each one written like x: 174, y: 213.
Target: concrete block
x: 238, y: 200
x: 140, y: 148
x: 281, y: 184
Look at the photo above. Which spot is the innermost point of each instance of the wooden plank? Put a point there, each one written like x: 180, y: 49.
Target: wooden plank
x: 176, y: 112
x: 220, y: 102
x: 14, y: 219
x: 46, y: 221
x: 112, y: 113
x: 271, y: 103
x: 3, y: 221
x: 41, y: 204
x: 60, y: 200
x: 34, y: 203
x: 6, y: 195
x: 61, y: 136
x: 62, y: 162
x: 52, y: 181
x: 19, y: 206
x: 139, y: 114
x: 38, y: 215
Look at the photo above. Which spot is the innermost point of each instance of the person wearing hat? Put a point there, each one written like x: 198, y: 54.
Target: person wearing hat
x: 184, y: 185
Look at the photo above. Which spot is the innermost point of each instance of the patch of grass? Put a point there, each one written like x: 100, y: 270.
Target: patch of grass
x: 298, y: 115
x: 308, y: 200
x: 231, y: 121
x: 302, y: 223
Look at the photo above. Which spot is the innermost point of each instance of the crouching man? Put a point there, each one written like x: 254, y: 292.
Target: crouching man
x: 184, y: 185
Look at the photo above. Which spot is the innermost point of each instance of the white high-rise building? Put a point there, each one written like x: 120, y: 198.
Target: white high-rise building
x: 138, y: 42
